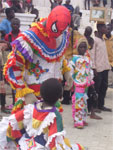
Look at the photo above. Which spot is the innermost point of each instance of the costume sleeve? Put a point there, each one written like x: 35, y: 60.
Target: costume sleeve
x: 65, y: 67
x: 18, y: 123
x: 72, y: 65
x: 16, y: 127
x: 14, y: 73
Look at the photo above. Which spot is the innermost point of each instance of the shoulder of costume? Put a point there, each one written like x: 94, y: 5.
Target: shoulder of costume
x: 36, y: 40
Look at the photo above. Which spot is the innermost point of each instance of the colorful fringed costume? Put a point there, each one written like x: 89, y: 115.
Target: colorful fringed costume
x: 35, y: 128
x: 83, y: 77
x: 38, y: 55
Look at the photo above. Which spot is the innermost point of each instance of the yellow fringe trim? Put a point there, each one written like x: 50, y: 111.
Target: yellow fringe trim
x: 34, y: 24
x: 65, y: 68
x: 37, y: 93
x: 23, y: 92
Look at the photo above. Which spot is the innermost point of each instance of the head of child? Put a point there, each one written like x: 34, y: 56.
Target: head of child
x: 51, y: 91
x: 36, y: 12
x: 82, y: 46
x: 15, y: 24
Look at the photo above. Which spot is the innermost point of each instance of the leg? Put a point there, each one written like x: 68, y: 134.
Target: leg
x: 88, y: 4
x: 3, y: 102
x: 103, y: 88
x: 66, y: 97
x: 85, y: 1
x: 98, y: 81
x: 78, y: 108
x: 13, y: 96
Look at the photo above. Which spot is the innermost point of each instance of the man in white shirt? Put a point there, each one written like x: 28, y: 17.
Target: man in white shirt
x: 101, y: 66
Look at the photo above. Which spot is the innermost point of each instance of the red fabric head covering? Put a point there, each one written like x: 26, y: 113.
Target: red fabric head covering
x: 57, y: 21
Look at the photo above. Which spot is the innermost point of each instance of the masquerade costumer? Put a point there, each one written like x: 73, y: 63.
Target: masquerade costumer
x: 37, y: 54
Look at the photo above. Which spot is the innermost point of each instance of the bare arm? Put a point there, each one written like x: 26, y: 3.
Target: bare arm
x: 51, y: 1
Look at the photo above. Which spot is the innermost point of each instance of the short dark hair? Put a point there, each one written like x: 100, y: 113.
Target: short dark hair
x: 34, y: 11
x: 100, y: 25
x: 15, y: 19
x: 8, y: 11
x: 51, y: 91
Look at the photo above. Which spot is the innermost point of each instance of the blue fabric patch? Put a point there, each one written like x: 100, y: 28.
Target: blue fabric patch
x: 11, y: 74
x: 39, y: 139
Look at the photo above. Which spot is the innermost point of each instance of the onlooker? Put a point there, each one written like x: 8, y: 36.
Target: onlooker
x: 70, y: 51
x: 3, y: 47
x: 59, y: 2
x: 9, y: 2
x: 28, y: 4
x: 111, y: 26
x: 87, y: 2
x: 101, y: 66
x: 16, y: 6
x: 83, y: 78
x: 76, y: 16
x: 15, y: 24
x: 92, y: 100
x: 96, y: 3
x: 36, y: 12
x: 69, y: 6
x: 5, y: 25
x: 104, y: 3
x: 109, y: 44
x: 53, y: 4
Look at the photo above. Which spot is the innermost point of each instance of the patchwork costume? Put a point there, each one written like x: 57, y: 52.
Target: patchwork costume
x: 34, y: 128
x: 83, y: 77
x: 37, y: 54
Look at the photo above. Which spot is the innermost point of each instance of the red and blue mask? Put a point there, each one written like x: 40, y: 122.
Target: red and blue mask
x: 58, y: 20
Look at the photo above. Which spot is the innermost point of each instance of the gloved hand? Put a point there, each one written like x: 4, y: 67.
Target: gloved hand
x: 30, y: 98
x: 69, y: 80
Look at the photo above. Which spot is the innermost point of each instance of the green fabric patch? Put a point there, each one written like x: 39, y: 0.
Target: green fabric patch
x: 59, y: 121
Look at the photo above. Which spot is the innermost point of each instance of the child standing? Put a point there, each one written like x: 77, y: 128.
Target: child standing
x: 15, y: 24
x: 38, y: 126
x: 10, y: 37
x: 82, y: 76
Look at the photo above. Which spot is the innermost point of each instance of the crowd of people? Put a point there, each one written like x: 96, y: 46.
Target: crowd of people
x: 43, y: 68
x: 19, y: 6
x: 96, y: 3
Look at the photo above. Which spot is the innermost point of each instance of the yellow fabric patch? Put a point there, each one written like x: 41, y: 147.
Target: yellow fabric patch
x: 36, y: 123
x: 67, y: 142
